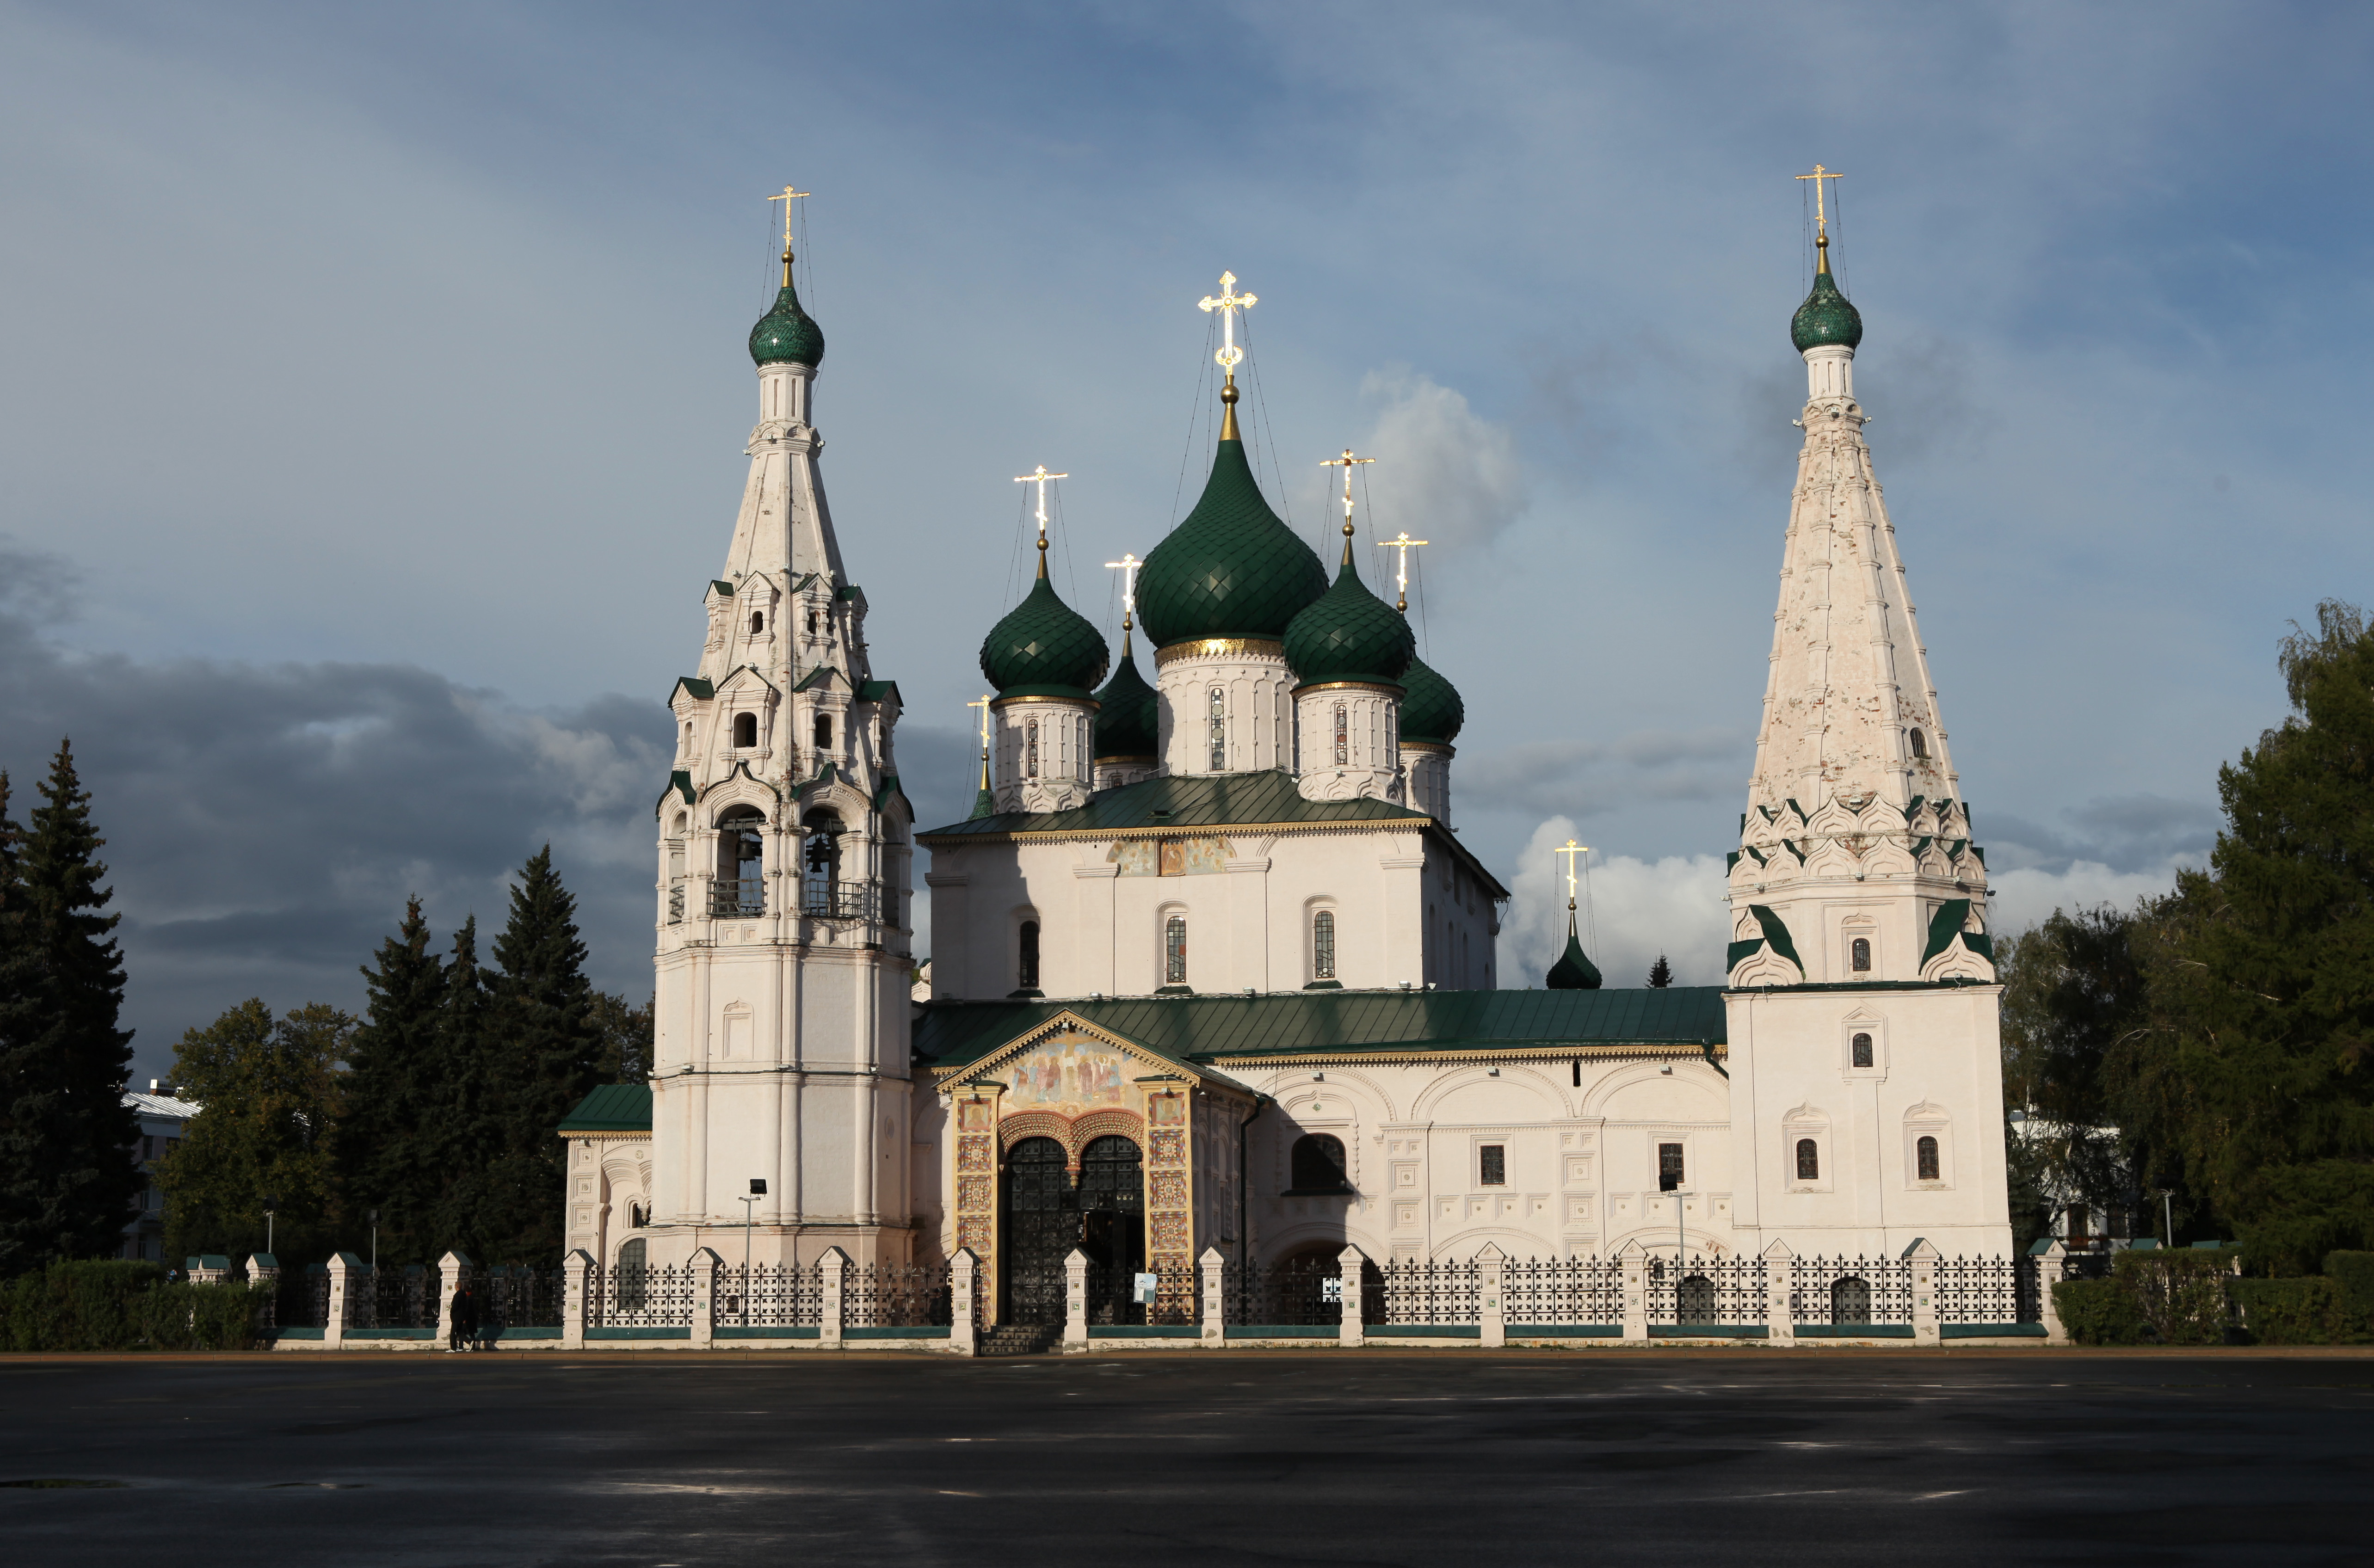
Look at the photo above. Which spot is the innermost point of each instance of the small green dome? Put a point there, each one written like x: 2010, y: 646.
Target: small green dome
x: 1825, y: 317
x: 1430, y: 707
x: 1043, y: 648
x: 1574, y: 971
x: 1130, y: 721
x: 787, y: 332
x: 1231, y: 568
x: 1349, y: 635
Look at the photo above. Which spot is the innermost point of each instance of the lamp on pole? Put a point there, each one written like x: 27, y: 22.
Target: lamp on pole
x: 2168, y: 1215
x: 758, y: 1191
x: 270, y: 1204
x: 374, y: 1225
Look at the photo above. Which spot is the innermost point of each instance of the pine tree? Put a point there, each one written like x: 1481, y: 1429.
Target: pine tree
x: 23, y: 1092
x: 542, y: 1019
x: 466, y: 1137
x: 390, y: 1109
x: 66, y: 1171
x: 2269, y: 990
x: 1660, y: 974
x: 269, y: 1089
x: 627, y: 1038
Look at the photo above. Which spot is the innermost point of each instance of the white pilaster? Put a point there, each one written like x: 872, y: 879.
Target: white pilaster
x: 1226, y: 705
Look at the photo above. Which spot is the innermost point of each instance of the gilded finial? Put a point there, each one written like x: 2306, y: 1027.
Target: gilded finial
x: 1571, y: 849
x: 1127, y: 565
x: 1228, y: 303
x: 787, y: 197
x: 1821, y: 216
x: 1040, y: 477
x: 1347, y: 463
x: 1404, y: 543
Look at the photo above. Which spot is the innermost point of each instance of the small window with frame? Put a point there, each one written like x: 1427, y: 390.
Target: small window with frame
x: 1669, y: 1167
x: 1860, y: 1049
x: 1492, y: 1165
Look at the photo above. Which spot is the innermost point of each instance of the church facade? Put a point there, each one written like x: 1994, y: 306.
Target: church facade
x: 1210, y: 968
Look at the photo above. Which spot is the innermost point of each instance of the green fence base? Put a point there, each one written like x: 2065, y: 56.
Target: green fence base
x: 1143, y: 1331
x: 926, y: 1331
x: 762, y: 1332
x: 614, y: 1331
x: 1852, y: 1330
x: 1991, y: 1331
x: 1563, y: 1331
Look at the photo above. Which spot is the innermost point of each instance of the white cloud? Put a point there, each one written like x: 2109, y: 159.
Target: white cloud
x: 1443, y: 472
x: 1636, y: 910
x: 2025, y: 897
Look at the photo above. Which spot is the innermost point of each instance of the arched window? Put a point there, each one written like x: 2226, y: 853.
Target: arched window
x: 1862, y: 1049
x: 1218, y: 730
x: 745, y: 729
x: 1859, y: 954
x: 1030, y: 749
x: 1809, y: 1159
x: 758, y: 621
x: 1323, y: 945
x: 1919, y: 743
x: 633, y: 1293
x: 1317, y: 1164
x: 1342, y: 734
x: 1174, y: 951
x: 675, y: 876
x: 820, y: 889
x: 824, y: 732
x: 1924, y: 1156
x: 1028, y: 969
x: 1851, y: 1301
x: 741, y: 885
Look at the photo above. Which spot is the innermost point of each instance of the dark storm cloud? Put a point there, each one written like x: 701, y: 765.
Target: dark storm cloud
x: 2126, y: 833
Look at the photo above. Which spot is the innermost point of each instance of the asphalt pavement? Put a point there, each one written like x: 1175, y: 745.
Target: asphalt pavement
x: 1823, y: 1458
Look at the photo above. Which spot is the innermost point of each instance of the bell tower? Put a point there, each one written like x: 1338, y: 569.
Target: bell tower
x: 783, y: 918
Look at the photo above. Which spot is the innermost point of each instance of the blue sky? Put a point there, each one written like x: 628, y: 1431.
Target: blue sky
x: 374, y: 394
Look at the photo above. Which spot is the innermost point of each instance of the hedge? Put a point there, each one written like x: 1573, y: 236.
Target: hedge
x: 2354, y: 1273
x: 2098, y: 1312
x: 2311, y: 1311
x: 2192, y: 1298
x: 107, y: 1305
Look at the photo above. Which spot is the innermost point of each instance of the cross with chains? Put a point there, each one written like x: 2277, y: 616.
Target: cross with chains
x: 1228, y: 303
x: 1404, y: 543
x: 787, y: 198
x: 1571, y: 849
x: 1127, y: 565
x: 1038, y: 476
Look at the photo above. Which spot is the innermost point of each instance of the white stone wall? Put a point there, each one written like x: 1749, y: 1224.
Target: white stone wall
x: 1348, y: 742
x: 1256, y: 706
x: 1058, y: 772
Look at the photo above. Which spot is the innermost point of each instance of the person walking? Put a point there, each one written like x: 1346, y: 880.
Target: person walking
x: 461, y: 1334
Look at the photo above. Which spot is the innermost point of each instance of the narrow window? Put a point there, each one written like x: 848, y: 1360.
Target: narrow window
x: 745, y: 729
x: 1219, y: 730
x: 1862, y: 955
x: 740, y: 889
x: 1919, y: 743
x: 2077, y: 1217
x: 758, y: 621
x: 1028, y: 968
x: 1323, y: 945
x: 1342, y: 735
x: 1174, y: 951
x: 1669, y: 1167
x: 1925, y: 1155
x: 820, y: 889
x: 633, y: 1280
x: 1809, y: 1161
x: 1492, y: 1165
x: 824, y: 732
x: 812, y: 623
x: 1317, y: 1164
x: 1030, y: 749
x: 1863, y: 1051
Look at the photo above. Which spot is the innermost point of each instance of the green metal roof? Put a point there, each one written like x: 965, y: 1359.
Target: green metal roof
x: 1223, y: 800
x: 1825, y: 317
x: 786, y: 333
x: 875, y: 691
x: 702, y: 689
x: 614, y: 1107
x: 1217, y: 1029
x: 1349, y: 634
x: 1043, y: 645
x: 1130, y: 722
x: 1430, y: 707
x: 1232, y: 567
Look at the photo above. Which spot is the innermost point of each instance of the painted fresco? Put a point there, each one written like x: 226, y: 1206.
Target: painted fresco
x: 1069, y: 1074
x: 1170, y: 857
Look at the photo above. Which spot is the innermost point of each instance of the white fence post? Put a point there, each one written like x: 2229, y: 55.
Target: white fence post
x: 1075, y: 1302
x: 1923, y: 1259
x: 576, y: 1298
x: 1779, y: 1316
x: 832, y: 1316
x: 342, y: 1266
x: 1213, y: 1267
x: 263, y: 1269
x: 208, y: 1268
x: 1492, y: 1295
x: 452, y: 1273
x: 1351, y: 1265
x: 964, y: 1270
x: 705, y: 1265
x: 1636, y: 1293
x: 2050, y: 1257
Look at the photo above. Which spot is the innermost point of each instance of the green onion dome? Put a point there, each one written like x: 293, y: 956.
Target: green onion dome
x: 1230, y: 568
x: 1825, y: 317
x: 787, y: 332
x: 1431, y: 711
x: 1349, y: 635
x: 1573, y: 971
x: 1130, y: 721
x: 1043, y: 648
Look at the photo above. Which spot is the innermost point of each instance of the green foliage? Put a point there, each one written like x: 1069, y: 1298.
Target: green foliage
x: 394, y: 1101
x: 270, y: 1091
x: 2074, y: 993
x: 66, y: 1176
x: 2354, y: 1273
x: 2293, y: 1312
x: 2180, y: 1295
x: 2098, y: 1312
x: 1660, y: 974
x: 123, y: 1307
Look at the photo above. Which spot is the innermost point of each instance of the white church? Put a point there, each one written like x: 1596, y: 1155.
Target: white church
x: 1210, y: 969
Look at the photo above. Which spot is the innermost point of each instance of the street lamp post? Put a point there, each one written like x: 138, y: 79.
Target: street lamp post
x: 2168, y: 1213
x: 758, y: 1191
x: 374, y: 1225
x: 270, y: 1205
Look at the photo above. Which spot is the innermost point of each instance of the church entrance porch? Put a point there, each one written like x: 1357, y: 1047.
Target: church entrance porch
x: 1046, y: 1213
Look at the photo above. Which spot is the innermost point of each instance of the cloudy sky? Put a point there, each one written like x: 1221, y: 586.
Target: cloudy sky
x: 374, y: 396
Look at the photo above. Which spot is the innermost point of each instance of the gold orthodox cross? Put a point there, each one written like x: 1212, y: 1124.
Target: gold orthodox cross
x: 787, y: 198
x: 1228, y: 303
x: 1821, y: 218
x: 1040, y: 477
x: 1127, y: 565
x: 1404, y: 543
x: 983, y: 705
x: 1571, y: 849
x: 1347, y: 463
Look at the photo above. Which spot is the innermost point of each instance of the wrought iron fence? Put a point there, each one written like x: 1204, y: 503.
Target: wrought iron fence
x: 1413, y: 1291
x: 771, y: 1295
x: 393, y: 1298
x: 1705, y: 1291
x: 837, y: 900
x: 1298, y: 1292
x: 305, y: 1298
x: 1984, y: 1290
x: 639, y: 1298
x: 1850, y: 1291
x: 1119, y: 1296
x: 1559, y: 1291
x: 520, y: 1297
x: 895, y: 1296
